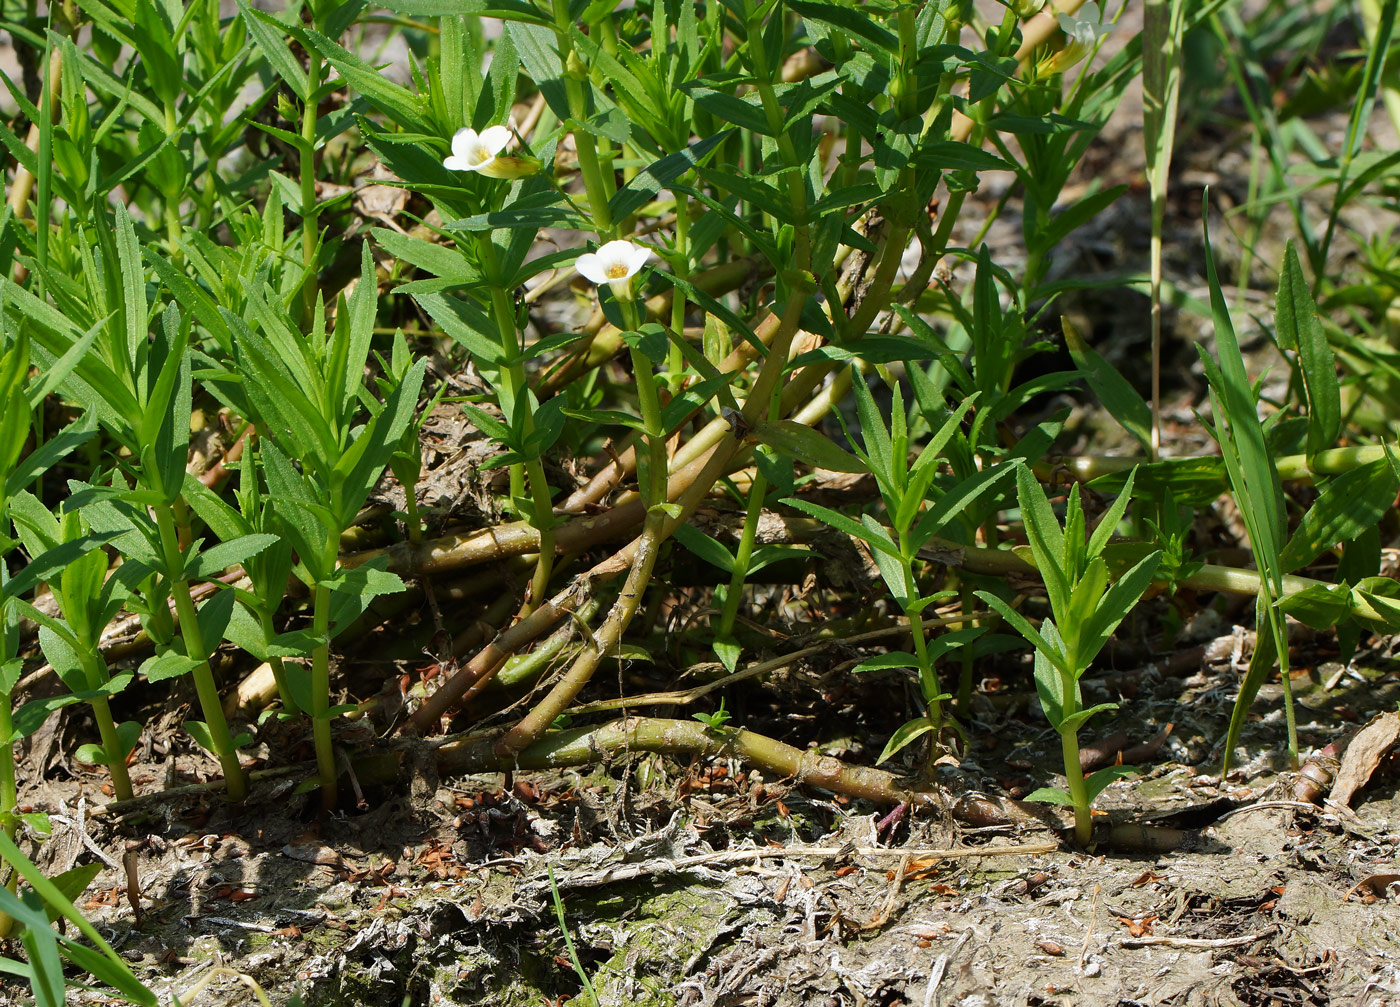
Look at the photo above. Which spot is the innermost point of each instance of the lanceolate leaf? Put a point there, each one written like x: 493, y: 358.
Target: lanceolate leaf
x: 1299, y: 328
x: 1348, y: 505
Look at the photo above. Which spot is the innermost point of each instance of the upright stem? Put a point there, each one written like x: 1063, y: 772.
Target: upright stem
x: 9, y: 794
x: 321, y: 678
x: 205, y: 687
x: 279, y: 669
x: 586, y: 144
x: 742, y: 556
x: 515, y: 396
x: 1280, y: 630
x: 310, y: 213
x: 1078, y: 792
x: 675, y: 363
x: 107, y: 729
x: 173, y: 230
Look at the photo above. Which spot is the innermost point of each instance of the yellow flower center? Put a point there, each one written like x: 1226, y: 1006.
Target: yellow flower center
x: 617, y: 271
x: 480, y: 155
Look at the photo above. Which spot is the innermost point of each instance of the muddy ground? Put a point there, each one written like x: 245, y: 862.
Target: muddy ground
x: 706, y: 885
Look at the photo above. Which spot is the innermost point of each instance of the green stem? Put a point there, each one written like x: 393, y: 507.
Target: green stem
x: 9, y: 797
x: 586, y: 143
x: 653, y: 487
x: 742, y: 556
x: 310, y: 212
x: 1074, y: 776
x: 968, y: 601
x: 321, y: 679
x: 675, y: 362
x: 173, y: 230
x: 204, y: 684
x: 279, y: 669
x: 9, y: 792
x: 515, y: 395
x: 793, y: 182
x: 116, y: 758
x: 1279, y: 627
x: 928, y: 676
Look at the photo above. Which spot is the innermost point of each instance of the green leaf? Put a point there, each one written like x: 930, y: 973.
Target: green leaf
x: 1095, y: 783
x: 907, y: 733
x: 705, y: 547
x: 103, y: 963
x: 1119, y: 397
x: 1348, y: 505
x: 213, y: 617
x: 888, y: 662
x: 848, y: 21
x: 1075, y: 721
x: 1047, y: 539
x: 506, y: 10
x: 1050, y: 795
x: 467, y: 324
x: 1050, y: 689
x: 728, y: 653
x: 170, y: 664
x: 210, y: 563
x: 1117, y: 602
x: 647, y: 183
x: 1299, y: 328
x: 352, y: 590
x: 807, y: 445
x: 269, y: 35
x: 1022, y: 625
x: 842, y: 523
x: 394, y: 101
x: 1321, y: 606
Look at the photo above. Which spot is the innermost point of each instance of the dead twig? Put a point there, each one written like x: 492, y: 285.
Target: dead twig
x: 1192, y: 942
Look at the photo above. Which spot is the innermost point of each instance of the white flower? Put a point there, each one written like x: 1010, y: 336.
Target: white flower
x: 614, y: 264
x: 1083, y: 30
x: 472, y: 152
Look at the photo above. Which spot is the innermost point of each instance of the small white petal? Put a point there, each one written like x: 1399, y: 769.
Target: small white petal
x: 464, y: 141
x: 494, y: 138
x: 638, y: 258
x: 1067, y: 24
x: 1090, y: 12
x: 616, y: 253
x: 590, y: 268
x: 454, y: 163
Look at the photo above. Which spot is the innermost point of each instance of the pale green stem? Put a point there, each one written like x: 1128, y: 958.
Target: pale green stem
x: 742, y: 556
x: 653, y: 487
x: 586, y: 143
x: 1074, y: 777
x: 310, y: 212
x: 321, y: 678
x: 517, y: 394
x: 675, y: 362
x: 279, y: 668
x: 205, y: 687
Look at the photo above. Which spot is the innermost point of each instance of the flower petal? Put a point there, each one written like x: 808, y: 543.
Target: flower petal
x: 637, y: 258
x: 617, y: 252
x: 590, y: 268
x: 463, y: 142
x: 494, y: 138
x: 454, y: 163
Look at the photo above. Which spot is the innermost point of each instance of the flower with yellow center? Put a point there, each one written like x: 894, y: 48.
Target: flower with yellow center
x: 481, y: 153
x: 614, y: 264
